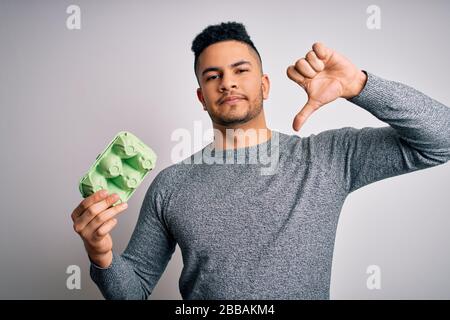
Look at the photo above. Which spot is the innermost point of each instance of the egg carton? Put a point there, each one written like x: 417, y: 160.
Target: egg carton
x: 120, y: 168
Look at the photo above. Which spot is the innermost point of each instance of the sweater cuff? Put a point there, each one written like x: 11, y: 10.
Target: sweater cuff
x: 377, y: 93
x: 99, y: 274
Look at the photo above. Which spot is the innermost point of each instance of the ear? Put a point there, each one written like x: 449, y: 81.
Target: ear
x: 201, y: 98
x: 265, y: 86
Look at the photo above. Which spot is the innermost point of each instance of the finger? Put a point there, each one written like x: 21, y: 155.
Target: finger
x: 91, y: 212
x: 105, y: 228
x: 99, y: 220
x: 302, y: 116
x: 86, y: 203
x: 295, y: 76
x: 303, y: 67
x: 314, y: 61
x: 322, y: 51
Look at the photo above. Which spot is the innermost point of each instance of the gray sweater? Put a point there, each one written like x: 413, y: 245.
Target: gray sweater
x: 247, y: 233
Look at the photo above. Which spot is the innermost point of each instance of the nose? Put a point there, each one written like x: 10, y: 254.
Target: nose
x: 228, y: 82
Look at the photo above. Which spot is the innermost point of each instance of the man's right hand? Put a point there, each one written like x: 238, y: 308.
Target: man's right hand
x: 93, y: 219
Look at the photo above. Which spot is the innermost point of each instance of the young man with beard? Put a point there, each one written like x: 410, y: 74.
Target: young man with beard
x: 248, y: 235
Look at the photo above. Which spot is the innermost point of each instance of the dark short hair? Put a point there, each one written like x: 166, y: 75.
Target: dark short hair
x: 221, y: 32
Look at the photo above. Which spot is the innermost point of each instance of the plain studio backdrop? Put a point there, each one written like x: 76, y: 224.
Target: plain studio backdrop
x: 65, y: 93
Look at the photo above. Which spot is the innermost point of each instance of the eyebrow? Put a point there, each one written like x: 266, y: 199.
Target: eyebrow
x: 233, y: 65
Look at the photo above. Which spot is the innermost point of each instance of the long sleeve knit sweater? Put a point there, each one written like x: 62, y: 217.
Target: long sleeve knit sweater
x: 247, y: 232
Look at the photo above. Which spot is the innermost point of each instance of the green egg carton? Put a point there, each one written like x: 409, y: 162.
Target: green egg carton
x: 120, y: 168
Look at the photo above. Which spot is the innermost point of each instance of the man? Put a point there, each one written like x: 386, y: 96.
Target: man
x: 248, y: 235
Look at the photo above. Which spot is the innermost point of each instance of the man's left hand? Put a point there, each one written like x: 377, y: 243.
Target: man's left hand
x: 325, y: 75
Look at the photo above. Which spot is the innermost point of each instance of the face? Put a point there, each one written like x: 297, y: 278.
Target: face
x: 232, y: 86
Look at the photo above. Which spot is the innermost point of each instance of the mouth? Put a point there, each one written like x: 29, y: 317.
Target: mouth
x: 232, y: 100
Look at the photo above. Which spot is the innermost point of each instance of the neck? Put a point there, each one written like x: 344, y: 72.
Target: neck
x: 242, y: 135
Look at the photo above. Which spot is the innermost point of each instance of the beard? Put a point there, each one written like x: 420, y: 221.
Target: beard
x: 242, y: 112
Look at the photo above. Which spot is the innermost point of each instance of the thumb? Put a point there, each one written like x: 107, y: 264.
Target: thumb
x: 303, y: 115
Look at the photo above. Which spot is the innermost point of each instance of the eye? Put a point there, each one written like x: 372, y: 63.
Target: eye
x: 242, y: 70
x: 211, y: 77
